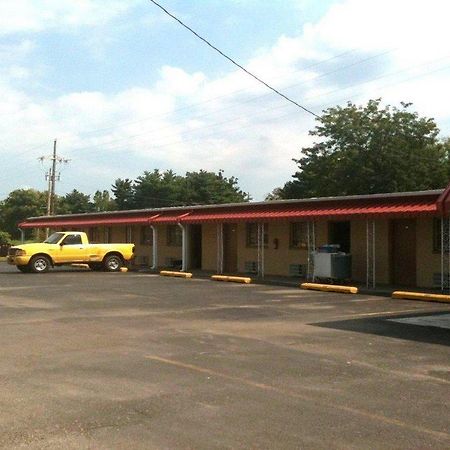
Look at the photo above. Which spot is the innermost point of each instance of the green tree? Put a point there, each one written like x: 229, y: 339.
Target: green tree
x: 74, y: 202
x: 157, y: 189
x: 370, y: 149
x: 123, y: 191
x: 103, y: 202
x: 5, y: 238
x: 211, y: 188
x: 19, y: 205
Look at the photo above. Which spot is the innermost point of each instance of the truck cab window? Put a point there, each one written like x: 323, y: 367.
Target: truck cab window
x: 72, y: 239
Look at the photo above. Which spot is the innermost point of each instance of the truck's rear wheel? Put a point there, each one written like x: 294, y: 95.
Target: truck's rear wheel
x: 39, y: 264
x: 113, y: 263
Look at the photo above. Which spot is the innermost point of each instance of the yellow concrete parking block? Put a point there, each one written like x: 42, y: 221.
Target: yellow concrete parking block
x: 169, y: 273
x: 421, y: 296
x: 245, y: 280
x: 330, y: 288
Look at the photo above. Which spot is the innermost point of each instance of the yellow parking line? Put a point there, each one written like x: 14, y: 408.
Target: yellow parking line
x: 329, y: 405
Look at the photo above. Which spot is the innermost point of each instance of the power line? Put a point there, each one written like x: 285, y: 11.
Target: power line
x: 252, y: 99
x: 107, y: 145
x: 234, y: 62
x: 257, y: 97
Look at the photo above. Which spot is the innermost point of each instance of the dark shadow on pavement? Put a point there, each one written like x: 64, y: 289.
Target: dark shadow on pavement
x: 387, y: 326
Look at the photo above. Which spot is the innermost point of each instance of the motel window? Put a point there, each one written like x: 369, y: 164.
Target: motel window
x: 146, y: 235
x: 252, y: 234
x: 437, y: 235
x: 174, y: 237
x: 298, y: 237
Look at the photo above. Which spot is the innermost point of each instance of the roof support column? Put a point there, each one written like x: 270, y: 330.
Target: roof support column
x: 311, y: 231
x: 370, y: 254
x: 184, y: 247
x: 219, y: 240
x: 22, y: 235
x: 154, y: 247
x: 261, y: 250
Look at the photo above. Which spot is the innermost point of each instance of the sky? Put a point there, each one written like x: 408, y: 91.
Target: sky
x: 124, y: 88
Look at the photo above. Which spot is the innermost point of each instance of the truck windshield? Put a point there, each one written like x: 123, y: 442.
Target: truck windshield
x: 54, y: 238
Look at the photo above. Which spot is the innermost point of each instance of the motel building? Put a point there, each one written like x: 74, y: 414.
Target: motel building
x: 399, y: 239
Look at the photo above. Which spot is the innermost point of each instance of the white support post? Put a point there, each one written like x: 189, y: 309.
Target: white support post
x: 219, y: 241
x: 22, y: 235
x: 184, y: 248
x: 155, y: 247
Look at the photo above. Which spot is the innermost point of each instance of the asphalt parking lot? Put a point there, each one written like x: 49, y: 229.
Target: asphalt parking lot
x: 136, y: 361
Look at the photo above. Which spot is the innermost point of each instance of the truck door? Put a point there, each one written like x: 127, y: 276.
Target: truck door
x: 72, y: 249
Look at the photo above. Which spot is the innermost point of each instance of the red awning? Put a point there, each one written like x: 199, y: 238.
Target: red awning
x: 410, y: 206
x: 315, y: 212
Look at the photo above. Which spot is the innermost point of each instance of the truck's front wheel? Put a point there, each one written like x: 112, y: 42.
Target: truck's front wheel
x: 39, y: 264
x: 113, y: 263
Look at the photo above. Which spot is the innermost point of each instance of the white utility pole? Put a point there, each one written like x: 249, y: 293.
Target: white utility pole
x: 52, y: 178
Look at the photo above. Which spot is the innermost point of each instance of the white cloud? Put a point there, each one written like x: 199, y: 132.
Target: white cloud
x: 39, y: 15
x: 178, y: 82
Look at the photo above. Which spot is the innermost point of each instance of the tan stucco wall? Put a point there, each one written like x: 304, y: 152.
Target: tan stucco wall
x: 277, y: 260
x: 164, y: 251
x: 118, y: 234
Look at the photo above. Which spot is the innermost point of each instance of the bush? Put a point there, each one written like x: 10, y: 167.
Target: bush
x: 5, y: 238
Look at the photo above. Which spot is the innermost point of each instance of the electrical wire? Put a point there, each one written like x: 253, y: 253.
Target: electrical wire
x: 234, y: 62
x: 184, y: 133
x: 190, y: 131
x: 258, y: 97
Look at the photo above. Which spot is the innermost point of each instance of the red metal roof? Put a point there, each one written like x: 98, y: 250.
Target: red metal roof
x: 391, y: 209
x: 390, y: 206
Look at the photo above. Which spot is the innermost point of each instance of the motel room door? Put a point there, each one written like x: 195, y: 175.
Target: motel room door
x: 195, y: 232
x: 230, y: 248
x: 403, y: 245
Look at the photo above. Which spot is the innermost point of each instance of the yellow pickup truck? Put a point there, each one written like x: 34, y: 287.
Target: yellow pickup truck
x: 69, y: 247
